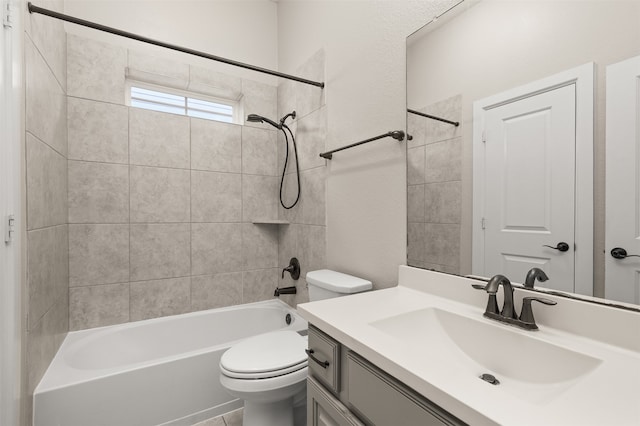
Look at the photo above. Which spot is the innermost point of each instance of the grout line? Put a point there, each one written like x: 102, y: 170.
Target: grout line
x: 48, y: 145
x: 44, y: 59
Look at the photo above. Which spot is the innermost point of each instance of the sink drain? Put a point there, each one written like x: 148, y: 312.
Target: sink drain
x: 490, y: 378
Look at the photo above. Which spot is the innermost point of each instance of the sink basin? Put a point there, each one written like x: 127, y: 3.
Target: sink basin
x: 498, y: 349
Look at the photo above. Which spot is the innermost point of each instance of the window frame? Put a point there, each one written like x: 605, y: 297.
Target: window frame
x: 234, y: 104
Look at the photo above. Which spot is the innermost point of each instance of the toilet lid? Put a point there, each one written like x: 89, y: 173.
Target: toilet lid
x: 269, y: 352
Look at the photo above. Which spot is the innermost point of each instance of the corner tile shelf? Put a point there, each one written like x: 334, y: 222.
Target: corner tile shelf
x: 270, y: 222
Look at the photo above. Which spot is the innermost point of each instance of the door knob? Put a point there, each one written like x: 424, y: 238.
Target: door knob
x: 562, y: 246
x: 620, y: 253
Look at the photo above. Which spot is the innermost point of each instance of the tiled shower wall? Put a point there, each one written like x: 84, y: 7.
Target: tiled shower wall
x: 161, y: 206
x: 434, y: 187
x: 47, y: 285
x: 305, y: 237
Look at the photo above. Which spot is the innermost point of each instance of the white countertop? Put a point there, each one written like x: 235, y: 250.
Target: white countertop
x: 609, y: 394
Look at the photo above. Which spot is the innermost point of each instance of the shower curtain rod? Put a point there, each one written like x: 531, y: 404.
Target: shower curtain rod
x: 396, y: 134
x: 35, y: 9
x: 433, y: 117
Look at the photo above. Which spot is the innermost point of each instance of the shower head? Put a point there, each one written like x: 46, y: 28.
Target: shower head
x: 255, y: 118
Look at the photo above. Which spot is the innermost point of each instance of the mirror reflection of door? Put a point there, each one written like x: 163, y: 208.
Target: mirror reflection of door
x: 623, y: 181
x: 525, y: 206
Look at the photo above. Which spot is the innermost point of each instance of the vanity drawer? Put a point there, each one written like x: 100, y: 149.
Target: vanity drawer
x: 379, y: 399
x: 324, y: 359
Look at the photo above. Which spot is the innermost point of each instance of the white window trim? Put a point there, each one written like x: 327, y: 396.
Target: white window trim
x: 129, y: 83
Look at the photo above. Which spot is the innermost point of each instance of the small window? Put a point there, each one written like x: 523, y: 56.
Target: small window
x: 174, y: 101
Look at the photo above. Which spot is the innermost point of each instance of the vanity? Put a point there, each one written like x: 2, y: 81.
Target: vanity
x: 423, y: 353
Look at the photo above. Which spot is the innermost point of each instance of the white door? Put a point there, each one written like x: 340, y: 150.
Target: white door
x: 529, y: 199
x: 622, y: 275
x: 10, y: 126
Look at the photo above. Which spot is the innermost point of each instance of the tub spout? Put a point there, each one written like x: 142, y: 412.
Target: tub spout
x: 285, y: 290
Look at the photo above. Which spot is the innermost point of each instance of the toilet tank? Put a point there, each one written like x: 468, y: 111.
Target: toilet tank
x: 327, y: 284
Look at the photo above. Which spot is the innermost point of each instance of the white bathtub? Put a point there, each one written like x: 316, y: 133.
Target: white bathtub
x: 162, y: 371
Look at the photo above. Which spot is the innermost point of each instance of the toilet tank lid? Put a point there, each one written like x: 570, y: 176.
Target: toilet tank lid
x: 337, y: 281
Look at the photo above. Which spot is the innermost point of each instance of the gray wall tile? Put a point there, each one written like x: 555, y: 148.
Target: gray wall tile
x: 443, y: 245
x: 216, y: 291
x: 216, y: 146
x: 98, y: 131
x: 286, y: 98
x: 95, y: 70
x: 415, y: 165
x: 443, y: 161
x: 44, y: 338
x: 50, y: 38
x: 415, y: 203
x: 159, y: 194
x: 152, y: 299
x: 261, y: 99
x: 216, y: 248
x: 97, y: 306
x: 158, y: 139
x: 311, y: 136
x: 259, y: 197
x: 46, y: 103
x: 287, y: 243
x: 204, y: 80
x: 259, y: 151
x: 415, y: 241
x: 312, y: 247
x: 258, y: 285
x: 56, y: 320
x: 282, y: 149
x: 259, y: 246
x: 98, y: 192
x: 450, y: 109
x: 40, y: 350
x: 216, y: 197
x: 159, y: 251
x: 289, y: 194
x: 47, y: 269
x: 157, y: 70
x: 46, y: 185
x: 313, y: 196
x: 98, y: 254
x: 443, y: 202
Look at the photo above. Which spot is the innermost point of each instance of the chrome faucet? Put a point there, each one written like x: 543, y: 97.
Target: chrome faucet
x: 508, y: 312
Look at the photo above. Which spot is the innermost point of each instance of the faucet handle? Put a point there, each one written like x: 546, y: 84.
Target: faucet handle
x: 492, y: 303
x: 527, y: 312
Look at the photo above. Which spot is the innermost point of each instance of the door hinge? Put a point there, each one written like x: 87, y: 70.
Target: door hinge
x: 483, y: 223
x: 7, y: 14
x: 484, y: 136
x: 10, y: 229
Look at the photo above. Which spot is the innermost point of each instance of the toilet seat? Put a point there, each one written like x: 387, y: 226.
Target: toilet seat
x: 265, y: 356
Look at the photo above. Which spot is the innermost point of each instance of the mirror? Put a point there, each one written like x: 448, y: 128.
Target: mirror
x: 518, y: 77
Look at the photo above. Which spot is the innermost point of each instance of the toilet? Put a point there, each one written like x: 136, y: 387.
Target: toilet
x: 269, y: 371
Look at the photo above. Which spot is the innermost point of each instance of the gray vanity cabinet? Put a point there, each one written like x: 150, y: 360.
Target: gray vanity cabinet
x: 344, y: 389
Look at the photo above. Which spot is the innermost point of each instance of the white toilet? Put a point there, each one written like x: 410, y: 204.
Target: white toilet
x: 269, y: 371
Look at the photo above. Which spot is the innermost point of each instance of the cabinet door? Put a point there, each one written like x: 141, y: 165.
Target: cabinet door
x: 382, y: 400
x: 325, y: 410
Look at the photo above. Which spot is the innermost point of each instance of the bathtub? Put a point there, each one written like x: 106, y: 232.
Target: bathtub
x: 161, y: 371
